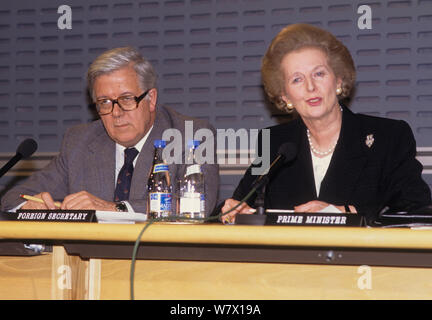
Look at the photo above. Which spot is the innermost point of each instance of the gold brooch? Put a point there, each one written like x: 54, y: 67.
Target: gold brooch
x: 369, y: 140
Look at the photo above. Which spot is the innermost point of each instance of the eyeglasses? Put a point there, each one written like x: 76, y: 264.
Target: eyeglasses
x: 126, y: 103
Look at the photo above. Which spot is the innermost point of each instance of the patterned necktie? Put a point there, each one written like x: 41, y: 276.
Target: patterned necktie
x: 125, y: 175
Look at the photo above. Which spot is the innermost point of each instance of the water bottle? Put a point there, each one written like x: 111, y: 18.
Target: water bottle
x: 159, y: 186
x: 191, y: 189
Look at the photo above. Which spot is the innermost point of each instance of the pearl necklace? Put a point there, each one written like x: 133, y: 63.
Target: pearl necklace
x: 317, y: 152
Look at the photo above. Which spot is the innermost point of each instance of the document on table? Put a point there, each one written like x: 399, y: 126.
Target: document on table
x: 120, y: 217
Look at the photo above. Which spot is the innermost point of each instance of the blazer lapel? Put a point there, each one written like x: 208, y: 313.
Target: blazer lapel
x: 142, y: 169
x: 349, y: 159
x: 295, y: 181
x: 101, y: 164
x: 145, y: 158
x: 304, y: 159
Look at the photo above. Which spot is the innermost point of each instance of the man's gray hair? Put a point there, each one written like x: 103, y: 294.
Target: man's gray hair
x: 118, y: 58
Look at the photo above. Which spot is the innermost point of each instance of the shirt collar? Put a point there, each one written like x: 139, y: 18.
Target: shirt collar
x: 120, y: 149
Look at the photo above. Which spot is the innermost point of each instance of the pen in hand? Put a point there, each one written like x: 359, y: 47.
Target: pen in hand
x: 30, y: 198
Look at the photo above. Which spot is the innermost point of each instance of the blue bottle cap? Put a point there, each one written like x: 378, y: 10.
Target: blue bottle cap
x: 193, y: 143
x: 159, y: 143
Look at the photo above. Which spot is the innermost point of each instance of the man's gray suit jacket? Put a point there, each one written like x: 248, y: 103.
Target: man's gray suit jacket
x: 87, y: 162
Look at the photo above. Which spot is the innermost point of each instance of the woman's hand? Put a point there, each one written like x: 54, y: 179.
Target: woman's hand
x: 231, y: 203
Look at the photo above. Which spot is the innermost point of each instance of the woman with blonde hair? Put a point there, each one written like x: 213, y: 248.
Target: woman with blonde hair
x: 345, y: 162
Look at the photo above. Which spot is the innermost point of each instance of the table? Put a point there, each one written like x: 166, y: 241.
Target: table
x: 213, y: 261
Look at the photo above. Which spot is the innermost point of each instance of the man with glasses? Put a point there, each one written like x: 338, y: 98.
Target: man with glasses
x: 87, y: 172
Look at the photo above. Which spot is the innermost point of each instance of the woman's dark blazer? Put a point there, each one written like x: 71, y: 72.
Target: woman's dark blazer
x: 370, y: 178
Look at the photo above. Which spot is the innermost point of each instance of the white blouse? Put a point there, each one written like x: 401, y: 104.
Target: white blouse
x: 320, y: 166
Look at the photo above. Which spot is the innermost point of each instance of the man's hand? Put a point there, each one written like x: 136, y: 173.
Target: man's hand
x: 86, y: 201
x: 47, y: 205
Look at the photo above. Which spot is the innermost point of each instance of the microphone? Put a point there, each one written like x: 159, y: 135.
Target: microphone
x: 286, y: 153
x: 24, y: 150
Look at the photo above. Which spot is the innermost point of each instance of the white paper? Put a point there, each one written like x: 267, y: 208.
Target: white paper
x: 330, y: 209
x: 120, y: 217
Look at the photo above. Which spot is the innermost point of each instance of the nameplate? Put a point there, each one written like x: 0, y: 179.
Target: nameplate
x: 50, y: 215
x: 314, y: 219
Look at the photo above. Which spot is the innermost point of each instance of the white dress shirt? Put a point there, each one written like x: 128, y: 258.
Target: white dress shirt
x: 119, y: 161
x: 320, y: 167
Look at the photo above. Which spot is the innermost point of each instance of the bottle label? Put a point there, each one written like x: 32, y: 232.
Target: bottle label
x: 192, y: 202
x: 195, y: 168
x: 161, y: 167
x: 202, y: 200
x: 160, y: 202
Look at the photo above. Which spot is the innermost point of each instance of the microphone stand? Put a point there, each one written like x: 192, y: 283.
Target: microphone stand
x: 17, y: 157
x: 259, y: 200
x: 259, y: 217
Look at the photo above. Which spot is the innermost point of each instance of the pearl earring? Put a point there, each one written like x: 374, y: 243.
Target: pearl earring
x: 338, y: 91
x: 288, y: 107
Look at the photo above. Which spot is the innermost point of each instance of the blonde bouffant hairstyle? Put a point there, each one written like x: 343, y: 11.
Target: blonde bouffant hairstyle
x: 298, y: 36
